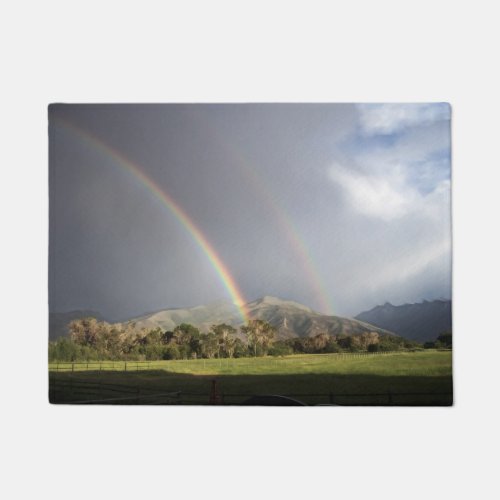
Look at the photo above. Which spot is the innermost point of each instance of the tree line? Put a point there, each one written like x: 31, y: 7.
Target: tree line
x: 93, y: 340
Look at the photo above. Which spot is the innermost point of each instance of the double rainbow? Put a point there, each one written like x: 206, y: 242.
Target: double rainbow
x: 276, y: 209
x: 173, y: 207
x: 259, y: 187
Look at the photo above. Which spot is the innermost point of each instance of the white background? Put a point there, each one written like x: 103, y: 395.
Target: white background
x: 97, y: 51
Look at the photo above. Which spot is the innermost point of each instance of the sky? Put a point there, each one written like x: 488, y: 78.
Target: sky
x: 340, y: 207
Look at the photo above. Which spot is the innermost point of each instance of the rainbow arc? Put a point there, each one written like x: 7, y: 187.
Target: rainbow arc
x: 173, y: 208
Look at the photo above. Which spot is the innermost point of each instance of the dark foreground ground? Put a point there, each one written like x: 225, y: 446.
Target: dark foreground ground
x: 400, y: 379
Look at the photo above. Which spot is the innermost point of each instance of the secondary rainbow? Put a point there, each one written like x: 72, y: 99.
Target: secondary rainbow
x: 295, y: 241
x: 173, y: 207
x: 285, y: 222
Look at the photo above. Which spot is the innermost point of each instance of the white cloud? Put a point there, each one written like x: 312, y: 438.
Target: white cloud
x: 386, y: 119
x: 402, y: 232
x: 386, y: 197
x: 390, y: 193
x: 410, y: 264
x: 392, y: 221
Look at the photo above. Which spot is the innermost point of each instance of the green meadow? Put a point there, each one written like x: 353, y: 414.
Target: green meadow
x: 399, y: 378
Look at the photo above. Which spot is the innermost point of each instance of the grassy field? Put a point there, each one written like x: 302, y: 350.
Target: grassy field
x: 405, y: 378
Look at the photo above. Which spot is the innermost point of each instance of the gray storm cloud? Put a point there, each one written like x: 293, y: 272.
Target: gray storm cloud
x: 324, y: 204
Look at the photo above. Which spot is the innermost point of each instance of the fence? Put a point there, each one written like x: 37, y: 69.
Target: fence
x: 114, y: 382
x: 91, y: 392
x: 78, y: 391
x: 100, y: 366
x: 204, y: 363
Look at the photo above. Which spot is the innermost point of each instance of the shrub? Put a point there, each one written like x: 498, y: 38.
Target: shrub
x: 445, y: 339
x: 171, y: 351
x: 280, y: 349
x: 332, y: 347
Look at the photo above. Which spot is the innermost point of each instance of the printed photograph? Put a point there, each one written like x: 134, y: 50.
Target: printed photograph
x: 250, y: 254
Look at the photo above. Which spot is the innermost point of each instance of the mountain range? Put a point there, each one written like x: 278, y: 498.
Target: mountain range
x: 290, y: 319
x: 421, y: 322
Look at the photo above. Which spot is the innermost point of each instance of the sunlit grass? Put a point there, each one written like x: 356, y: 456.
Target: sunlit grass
x: 415, y: 363
x: 305, y: 376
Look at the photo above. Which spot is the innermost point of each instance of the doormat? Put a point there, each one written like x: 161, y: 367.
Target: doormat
x: 250, y: 254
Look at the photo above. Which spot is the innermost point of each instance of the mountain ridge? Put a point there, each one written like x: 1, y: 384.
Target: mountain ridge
x: 421, y: 321
x: 291, y: 319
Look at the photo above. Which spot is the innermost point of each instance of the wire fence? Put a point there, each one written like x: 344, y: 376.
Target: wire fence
x: 202, y: 363
x: 66, y: 366
x: 78, y: 391
x: 101, y: 386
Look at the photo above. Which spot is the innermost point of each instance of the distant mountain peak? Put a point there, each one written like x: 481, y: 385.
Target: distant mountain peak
x: 291, y: 319
x: 422, y: 321
x: 269, y: 300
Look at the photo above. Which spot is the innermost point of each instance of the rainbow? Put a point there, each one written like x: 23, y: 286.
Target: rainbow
x: 295, y: 241
x: 285, y: 223
x: 172, y: 206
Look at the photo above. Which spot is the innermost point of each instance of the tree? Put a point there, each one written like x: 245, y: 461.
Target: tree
x: 320, y: 341
x: 280, y: 349
x: 332, y: 347
x: 230, y: 346
x: 388, y: 344
x: 171, y: 351
x: 225, y: 338
x: 445, y: 339
x: 349, y: 342
x: 209, y: 345
x: 153, y: 351
x: 185, y: 333
x: 154, y: 336
x: 108, y: 341
x: 84, y: 331
x: 63, y: 349
x: 368, y: 338
x: 297, y: 345
x: 240, y: 349
x: 259, y: 333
